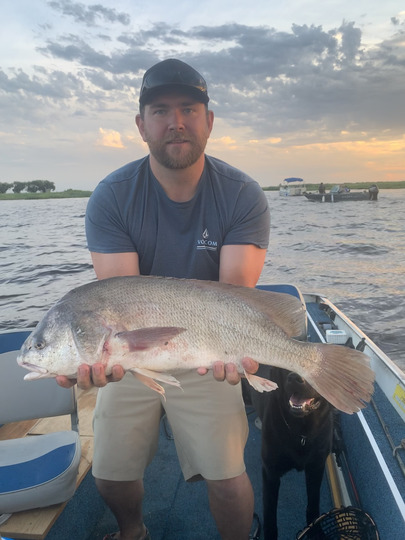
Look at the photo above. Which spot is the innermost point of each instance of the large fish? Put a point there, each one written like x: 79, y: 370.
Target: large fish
x: 155, y: 326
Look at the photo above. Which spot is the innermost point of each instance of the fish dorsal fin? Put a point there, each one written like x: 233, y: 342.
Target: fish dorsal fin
x: 286, y: 311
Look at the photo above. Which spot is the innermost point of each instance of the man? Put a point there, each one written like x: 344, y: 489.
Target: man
x: 179, y: 213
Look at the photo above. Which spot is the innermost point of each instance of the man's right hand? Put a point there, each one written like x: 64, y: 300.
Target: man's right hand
x: 88, y: 376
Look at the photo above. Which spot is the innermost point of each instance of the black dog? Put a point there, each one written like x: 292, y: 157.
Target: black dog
x: 297, y: 430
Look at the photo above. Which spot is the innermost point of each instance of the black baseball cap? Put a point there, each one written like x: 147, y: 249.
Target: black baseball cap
x: 172, y: 74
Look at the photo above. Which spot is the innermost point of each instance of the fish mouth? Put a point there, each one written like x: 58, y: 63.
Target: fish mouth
x: 300, y: 405
x: 35, y: 372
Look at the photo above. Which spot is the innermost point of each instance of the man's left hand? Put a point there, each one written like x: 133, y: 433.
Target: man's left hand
x: 229, y: 372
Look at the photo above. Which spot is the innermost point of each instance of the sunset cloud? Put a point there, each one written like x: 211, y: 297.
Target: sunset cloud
x: 110, y: 138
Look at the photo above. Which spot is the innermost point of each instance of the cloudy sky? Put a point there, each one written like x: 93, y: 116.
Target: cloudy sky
x: 299, y: 87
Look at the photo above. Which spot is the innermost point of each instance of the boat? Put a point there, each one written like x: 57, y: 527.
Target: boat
x: 363, y: 486
x: 291, y: 187
x: 338, y: 197
x: 339, y: 194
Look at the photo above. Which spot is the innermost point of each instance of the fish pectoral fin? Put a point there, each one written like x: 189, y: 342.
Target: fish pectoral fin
x: 143, y: 339
x: 259, y: 383
x: 147, y: 376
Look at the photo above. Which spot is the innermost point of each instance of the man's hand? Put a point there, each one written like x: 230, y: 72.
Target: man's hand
x: 88, y: 376
x: 229, y: 372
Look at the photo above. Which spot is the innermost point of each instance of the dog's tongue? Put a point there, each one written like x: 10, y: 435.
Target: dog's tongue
x: 296, y: 402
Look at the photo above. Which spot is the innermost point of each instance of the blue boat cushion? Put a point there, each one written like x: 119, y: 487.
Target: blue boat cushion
x: 38, y: 470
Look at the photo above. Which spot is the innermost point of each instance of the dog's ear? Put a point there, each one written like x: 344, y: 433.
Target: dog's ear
x: 278, y: 375
x: 265, y: 371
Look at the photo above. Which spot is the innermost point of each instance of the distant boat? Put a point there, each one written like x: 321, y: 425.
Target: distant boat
x: 339, y: 193
x: 290, y: 187
x: 337, y: 197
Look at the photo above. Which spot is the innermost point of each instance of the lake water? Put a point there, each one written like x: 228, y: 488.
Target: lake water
x: 351, y: 252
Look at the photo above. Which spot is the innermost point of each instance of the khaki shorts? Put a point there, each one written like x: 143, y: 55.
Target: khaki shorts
x: 207, y: 419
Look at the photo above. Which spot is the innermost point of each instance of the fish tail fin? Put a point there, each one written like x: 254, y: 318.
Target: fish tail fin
x: 344, y: 377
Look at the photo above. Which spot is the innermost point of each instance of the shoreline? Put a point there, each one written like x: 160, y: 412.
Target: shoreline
x: 76, y: 193
x: 68, y: 194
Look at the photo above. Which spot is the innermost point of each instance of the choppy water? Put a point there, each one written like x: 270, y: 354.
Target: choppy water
x: 351, y: 252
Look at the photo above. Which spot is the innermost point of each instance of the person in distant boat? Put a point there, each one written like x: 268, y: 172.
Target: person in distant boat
x: 321, y: 188
x: 340, y: 188
x: 373, y: 192
x: 179, y: 213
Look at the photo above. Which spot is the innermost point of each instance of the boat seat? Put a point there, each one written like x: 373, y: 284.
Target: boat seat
x: 36, y: 470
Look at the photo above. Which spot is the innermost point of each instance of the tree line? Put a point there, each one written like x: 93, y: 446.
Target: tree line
x: 32, y: 186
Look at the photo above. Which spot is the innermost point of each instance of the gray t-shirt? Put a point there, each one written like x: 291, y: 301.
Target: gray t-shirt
x: 130, y: 212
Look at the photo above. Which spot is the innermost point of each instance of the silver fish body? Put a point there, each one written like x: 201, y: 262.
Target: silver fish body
x: 156, y: 326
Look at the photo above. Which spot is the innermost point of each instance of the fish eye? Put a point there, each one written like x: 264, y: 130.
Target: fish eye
x: 39, y: 345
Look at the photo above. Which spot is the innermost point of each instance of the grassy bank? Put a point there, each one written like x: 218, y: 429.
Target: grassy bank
x: 68, y: 194
x: 76, y: 193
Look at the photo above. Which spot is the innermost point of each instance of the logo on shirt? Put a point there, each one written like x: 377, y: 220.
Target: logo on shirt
x: 206, y: 243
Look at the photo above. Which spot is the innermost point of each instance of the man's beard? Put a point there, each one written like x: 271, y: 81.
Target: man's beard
x: 162, y: 154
